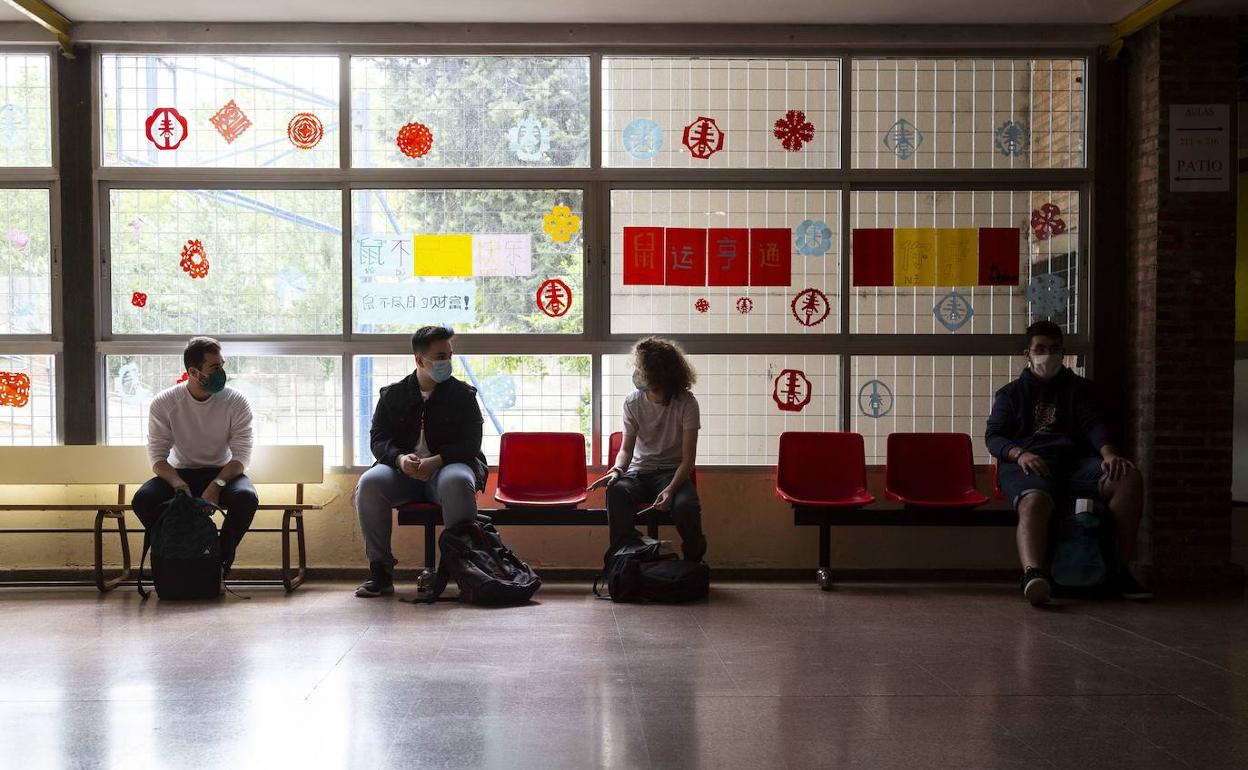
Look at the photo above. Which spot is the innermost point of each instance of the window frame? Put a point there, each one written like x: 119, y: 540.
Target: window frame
x: 597, y: 183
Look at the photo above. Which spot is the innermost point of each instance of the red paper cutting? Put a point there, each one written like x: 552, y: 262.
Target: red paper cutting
x: 415, y: 140
x: 810, y: 307
x: 14, y: 389
x: 305, y: 130
x: 554, y: 298
x: 873, y: 256
x: 703, y: 137
x: 194, y: 259
x: 138, y: 299
x: 728, y: 262
x: 643, y: 256
x: 181, y: 379
x: 791, y: 391
x: 230, y: 121
x: 1046, y: 222
x: 771, y: 256
x: 744, y: 305
x: 685, y: 263
x: 998, y: 256
x: 166, y: 128
x: 702, y: 305
x: 793, y: 130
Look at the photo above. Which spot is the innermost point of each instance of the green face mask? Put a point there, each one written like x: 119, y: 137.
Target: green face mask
x: 215, y: 383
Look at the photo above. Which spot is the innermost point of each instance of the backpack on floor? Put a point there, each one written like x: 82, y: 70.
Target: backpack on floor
x: 641, y: 570
x: 186, y: 550
x: 486, y: 571
x: 1083, y: 550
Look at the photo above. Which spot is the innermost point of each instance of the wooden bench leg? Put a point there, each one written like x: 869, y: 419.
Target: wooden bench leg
x: 103, y: 585
x: 824, y: 574
x: 293, y: 581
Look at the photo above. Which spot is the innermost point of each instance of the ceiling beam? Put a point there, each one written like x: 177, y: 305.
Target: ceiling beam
x: 1137, y: 20
x: 50, y: 19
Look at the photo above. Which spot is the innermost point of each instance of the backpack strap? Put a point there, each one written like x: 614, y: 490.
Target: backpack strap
x: 440, y: 580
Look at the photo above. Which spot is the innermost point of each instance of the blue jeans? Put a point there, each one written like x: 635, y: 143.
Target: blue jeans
x: 382, y: 489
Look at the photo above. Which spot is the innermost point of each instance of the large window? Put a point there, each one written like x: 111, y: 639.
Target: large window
x: 813, y: 229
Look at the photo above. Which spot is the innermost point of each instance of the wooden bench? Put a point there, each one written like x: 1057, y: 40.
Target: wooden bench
x: 124, y: 466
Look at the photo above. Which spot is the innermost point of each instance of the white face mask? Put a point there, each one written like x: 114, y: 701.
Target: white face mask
x: 1046, y: 367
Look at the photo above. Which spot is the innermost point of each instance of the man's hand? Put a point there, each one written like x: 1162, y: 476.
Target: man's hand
x: 408, y: 465
x: 1115, y: 466
x: 610, y: 478
x: 664, y: 500
x: 212, y: 493
x: 1032, y: 464
x: 427, y: 467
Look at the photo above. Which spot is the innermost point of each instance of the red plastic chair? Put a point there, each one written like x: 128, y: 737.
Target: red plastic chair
x: 997, y: 494
x: 931, y: 470
x: 541, y: 470
x: 613, y: 449
x: 822, y: 470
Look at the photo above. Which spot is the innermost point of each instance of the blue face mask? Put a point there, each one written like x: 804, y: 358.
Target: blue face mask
x: 440, y: 371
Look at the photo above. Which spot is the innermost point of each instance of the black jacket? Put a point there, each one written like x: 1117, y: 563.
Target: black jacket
x: 451, y: 417
x: 1075, y: 429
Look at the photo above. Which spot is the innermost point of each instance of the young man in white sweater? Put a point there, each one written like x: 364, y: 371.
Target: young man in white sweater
x: 199, y: 440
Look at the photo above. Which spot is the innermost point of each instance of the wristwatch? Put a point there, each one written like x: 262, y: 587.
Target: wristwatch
x: 219, y: 482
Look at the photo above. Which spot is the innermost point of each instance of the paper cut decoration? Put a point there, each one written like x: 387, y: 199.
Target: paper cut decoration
x: 957, y: 256
x: 166, y: 128
x: 793, y: 130
x: 903, y: 139
x: 791, y: 390
x: 529, y: 139
x: 953, y: 311
x: 136, y: 225
x: 703, y: 137
x: 502, y: 254
x: 194, y: 259
x: 18, y: 239
x: 914, y: 256
x: 14, y: 389
x: 729, y: 261
x: 685, y: 260
x: 875, y: 399
x: 499, y: 392
x: 230, y: 121
x: 290, y: 285
x: 810, y: 307
x: 1013, y: 138
x: 643, y: 256
x: 1046, y: 222
x: 771, y: 256
x: 1047, y: 295
x: 13, y: 126
x: 181, y: 379
x: 443, y: 256
x: 415, y: 140
x: 554, y: 298
x: 642, y: 138
x: 129, y: 385
x: 138, y: 299
x: 413, y: 303
x: 745, y: 305
x: 873, y: 256
x: 998, y: 256
x: 382, y: 255
x: 702, y: 305
x: 305, y: 130
x: 814, y: 237
x: 561, y: 224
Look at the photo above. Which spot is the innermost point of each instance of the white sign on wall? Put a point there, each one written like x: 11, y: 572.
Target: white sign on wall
x: 1200, y: 147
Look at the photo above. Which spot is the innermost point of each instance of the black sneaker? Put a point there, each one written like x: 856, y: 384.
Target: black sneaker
x: 380, y: 582
x: 1129, y: 588
x: 1036, y: 586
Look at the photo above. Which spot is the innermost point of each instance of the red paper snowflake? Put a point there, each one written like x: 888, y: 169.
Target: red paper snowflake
x: 1047, y: 222
x: 554, y: 298
x: 703, y: 137
x: 138, y: 299
x: 415, y: 140
x: 230, y: 121
x: 14, y: 389
x: 702, y: 305
x: 305, y: 130
x: 793, y: 130
x: 744, y: 305
x: 194, y: 259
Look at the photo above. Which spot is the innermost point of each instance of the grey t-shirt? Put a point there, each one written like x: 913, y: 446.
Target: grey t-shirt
x: 659, y: 429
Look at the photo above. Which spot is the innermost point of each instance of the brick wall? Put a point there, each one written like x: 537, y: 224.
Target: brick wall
x: 1180, y: 280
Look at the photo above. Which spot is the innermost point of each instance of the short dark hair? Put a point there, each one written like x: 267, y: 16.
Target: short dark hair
x: 1042, y: 329
x: 427, y: 335
x: 197, y: 350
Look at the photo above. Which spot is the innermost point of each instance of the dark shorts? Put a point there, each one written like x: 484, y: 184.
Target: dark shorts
x: 1066, y: 481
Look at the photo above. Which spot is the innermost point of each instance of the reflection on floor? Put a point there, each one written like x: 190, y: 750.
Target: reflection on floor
x: 761, y: 676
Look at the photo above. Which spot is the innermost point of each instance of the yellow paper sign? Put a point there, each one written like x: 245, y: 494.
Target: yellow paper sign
x: 957, y: 256
x: 443, y: 256
x: 914, y: 256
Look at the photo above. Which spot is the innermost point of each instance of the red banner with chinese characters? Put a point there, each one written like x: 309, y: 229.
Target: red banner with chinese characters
x: 686, y: 256
x: 771, y: 256
x: 643, y: 256
x: 728, y: 262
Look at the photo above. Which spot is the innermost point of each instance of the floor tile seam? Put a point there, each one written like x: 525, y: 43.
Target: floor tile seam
x: 731, y: 679
x: 632, y: 688
x: 316, y: 686
x: 1164, y: 646
x: 1105, y: 661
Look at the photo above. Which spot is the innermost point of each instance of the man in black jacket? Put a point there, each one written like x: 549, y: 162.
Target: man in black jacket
x: 426, y: 436
x: 1053, y: 448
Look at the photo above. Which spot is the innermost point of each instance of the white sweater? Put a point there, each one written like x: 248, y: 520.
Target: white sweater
x: 199, y: 434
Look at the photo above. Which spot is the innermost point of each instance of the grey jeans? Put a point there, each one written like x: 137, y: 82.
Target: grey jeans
x: 382, y: 489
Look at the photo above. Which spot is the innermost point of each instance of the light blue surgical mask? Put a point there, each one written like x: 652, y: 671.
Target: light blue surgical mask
x: 440, y: 371
x: 639, y: 382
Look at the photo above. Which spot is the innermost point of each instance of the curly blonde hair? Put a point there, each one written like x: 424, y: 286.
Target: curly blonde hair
x: 663, y: 366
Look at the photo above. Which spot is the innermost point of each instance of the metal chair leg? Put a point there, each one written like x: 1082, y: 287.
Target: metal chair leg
x: 824, y: 573
x: 104, y: 586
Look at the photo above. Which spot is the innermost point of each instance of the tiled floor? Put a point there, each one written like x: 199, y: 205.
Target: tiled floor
x: 762, y: 676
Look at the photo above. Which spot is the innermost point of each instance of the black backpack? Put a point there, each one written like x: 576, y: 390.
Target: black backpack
x: 1083, y: 552
x: 186, y: 550
x: 641, y: 570
x: 486, y: 570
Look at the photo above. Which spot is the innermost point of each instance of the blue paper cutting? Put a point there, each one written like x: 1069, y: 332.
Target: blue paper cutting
x: 814, y: 237
x: 529, y: 139
x: 13, y: 126
x: 499, y: 392
x: 1013, y: 138
x: 953, y: 311
x: 875, y: 399
x: 903, y: 139
x: 643, y: 138
x: 1048, y: 295
x: 290, y: 284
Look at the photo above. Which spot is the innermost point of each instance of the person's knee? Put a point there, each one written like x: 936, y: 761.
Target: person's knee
x: 617, y: 495
x: 1035, y: 505
x: 244, y: 500
x: 456, y: 485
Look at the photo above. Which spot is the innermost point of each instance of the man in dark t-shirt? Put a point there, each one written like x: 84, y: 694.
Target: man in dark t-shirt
x: 1053, y: 448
